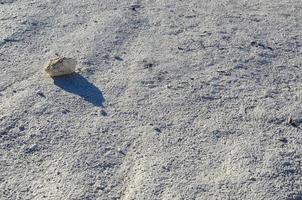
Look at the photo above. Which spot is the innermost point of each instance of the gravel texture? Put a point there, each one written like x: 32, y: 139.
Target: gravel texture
x: 173, y: 100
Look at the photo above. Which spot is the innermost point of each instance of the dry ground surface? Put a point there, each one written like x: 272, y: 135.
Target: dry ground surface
x: 173, y: 100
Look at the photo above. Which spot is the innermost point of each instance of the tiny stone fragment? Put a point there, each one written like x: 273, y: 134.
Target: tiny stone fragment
x: 284, y: 140
x: 118, y: 58
x: 40, y: 93
x: 157, y: 130
x: 60, y: 66
x: 291, y: 121
x: 21, y: 128
x: 103, y: 113
x: 32, y: 148
x: 65, y: 111
x: 252, y: 179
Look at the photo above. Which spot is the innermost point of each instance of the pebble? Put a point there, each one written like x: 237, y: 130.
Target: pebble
x: 32, y: 148
x: 118, y: 58
x: 284, y: 140
x: 40, y: 93
x: 103, y: 113
x: 21, y: 128
x: 157, y: 130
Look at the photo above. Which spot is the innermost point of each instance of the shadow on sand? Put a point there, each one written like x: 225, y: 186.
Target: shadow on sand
x: 77, y: 84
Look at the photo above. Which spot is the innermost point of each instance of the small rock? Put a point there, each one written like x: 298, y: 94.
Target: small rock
x: 157, y: 130
x: 238, y: 66
x: 148, y: 65
x: 32, y: 148
x: 118, y: 58
x: 290, y: 121
x: 284, y: 140
x: 103, y: 113
x: 105, y: 130
x: 252, y: 179
x: 40, y: 93
x: 253, y: 43
x: 121, y: 151
x: 65, y: 111
x: 60, y: 66
x: 134, y: 7
x: 21, y: 128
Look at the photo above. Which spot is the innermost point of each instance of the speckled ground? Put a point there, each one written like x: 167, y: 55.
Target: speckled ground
x: 172, y: 100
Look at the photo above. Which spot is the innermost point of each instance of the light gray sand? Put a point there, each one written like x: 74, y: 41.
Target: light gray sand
x: 175, y: 100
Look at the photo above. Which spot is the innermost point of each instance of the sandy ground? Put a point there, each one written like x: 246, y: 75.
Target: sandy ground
x: 174, y: 100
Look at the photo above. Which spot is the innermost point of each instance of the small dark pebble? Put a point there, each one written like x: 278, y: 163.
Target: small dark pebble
x: 291, y: 122
x: 14, y: 91
x: 40, y: 93
x: 34, y: 24
x: 257, y: 44
x: 103, y: 113
x: 10, y: 40
x: 252, y: 179
x: 100, y: 188
x: 105, y: 130
x: 21, y: 128
x: 134, y: 7
x: 270, y: 48
x: 253, y: 43
x: 284, y: 140
x: 118, y: 58
x: 65, y: 111
x: 121, y: 152
x: 148, y: 65
x: 32, y: 148
x: 157, y: 130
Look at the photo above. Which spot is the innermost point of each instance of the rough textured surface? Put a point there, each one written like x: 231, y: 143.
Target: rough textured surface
x: 175, y: 100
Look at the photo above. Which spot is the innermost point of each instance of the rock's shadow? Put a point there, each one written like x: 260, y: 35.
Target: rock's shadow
x: 77, y: 84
